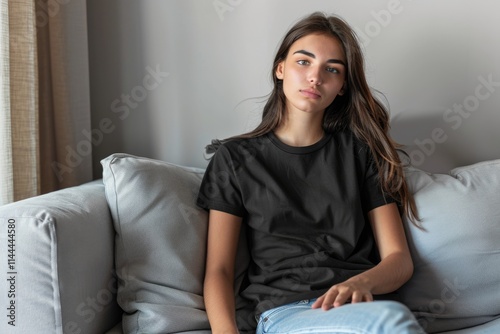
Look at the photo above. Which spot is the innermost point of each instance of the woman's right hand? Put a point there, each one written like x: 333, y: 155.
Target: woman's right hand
x: 353, y: 290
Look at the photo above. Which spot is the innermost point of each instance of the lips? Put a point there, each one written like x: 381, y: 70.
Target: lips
x: 311, y: 93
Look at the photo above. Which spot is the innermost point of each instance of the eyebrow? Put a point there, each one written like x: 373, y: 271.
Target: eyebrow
x: 312, y: 55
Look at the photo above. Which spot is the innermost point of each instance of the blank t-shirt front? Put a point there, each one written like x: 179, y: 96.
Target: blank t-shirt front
x: 304, y: 210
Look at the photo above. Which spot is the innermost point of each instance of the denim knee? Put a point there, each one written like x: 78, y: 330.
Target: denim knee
x: 396, y: 318
x: 379, y: 317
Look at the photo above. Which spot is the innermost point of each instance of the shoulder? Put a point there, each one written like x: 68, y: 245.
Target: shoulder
x: 235, y: 152
x: 239, y: 146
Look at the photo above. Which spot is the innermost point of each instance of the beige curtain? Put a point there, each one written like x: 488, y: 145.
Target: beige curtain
x: 44, y: 98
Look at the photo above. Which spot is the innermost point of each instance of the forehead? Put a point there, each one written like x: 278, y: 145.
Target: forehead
x: 321, y: 45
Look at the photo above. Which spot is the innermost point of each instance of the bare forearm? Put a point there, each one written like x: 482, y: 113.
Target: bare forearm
x: 395, y: 268
x: 387, y: 276
x: 219, y: 302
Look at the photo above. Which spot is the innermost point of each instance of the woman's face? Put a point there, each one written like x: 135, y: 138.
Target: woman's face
x: 313, y: 73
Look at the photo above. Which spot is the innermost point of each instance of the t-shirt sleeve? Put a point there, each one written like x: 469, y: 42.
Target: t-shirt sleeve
x: 220, y: 189
x: 373, y: 194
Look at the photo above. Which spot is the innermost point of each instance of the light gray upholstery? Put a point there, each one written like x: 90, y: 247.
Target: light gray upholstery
x: 491, y: 327
x: 160, y: 244
x: 456, y: 283
x: 65, y: 240
x: 63, y: 265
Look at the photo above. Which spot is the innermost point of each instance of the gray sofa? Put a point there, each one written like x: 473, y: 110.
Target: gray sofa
x: 126, y: 253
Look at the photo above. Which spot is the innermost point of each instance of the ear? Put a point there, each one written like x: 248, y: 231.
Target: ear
x: 342, y: 90
x: 280, y: 70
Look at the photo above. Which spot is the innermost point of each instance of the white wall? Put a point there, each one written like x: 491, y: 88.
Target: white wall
x: 425, y: 56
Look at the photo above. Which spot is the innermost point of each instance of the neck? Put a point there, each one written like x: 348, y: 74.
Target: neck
x: 301, y: 131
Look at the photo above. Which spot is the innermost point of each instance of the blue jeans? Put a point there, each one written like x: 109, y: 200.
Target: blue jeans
x: 378, y: 317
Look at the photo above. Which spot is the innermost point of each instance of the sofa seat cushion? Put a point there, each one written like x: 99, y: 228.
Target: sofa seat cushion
x: 491, y: 327
x: 456, y: 281
x: 117, y: 329
x: 160, y: 244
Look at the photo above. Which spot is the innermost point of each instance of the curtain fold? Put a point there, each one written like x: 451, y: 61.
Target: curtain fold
x: 44, y: 97
x: 19, y: 101
x: 6, y: 186
x: 65, y: 150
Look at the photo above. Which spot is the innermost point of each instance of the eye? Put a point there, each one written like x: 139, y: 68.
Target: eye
x: 332, y: 70
x: 302, y: 62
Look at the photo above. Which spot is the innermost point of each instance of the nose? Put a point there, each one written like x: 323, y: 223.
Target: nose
x: 314, y: 76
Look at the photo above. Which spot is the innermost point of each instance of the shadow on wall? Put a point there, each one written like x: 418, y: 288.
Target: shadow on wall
x: 116, y: 78
x: 436, y: 141
x: 424, y: 139
x: 445, y: 84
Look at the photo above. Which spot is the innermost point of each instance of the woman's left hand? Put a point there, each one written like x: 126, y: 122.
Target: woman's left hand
x: 339, y: 294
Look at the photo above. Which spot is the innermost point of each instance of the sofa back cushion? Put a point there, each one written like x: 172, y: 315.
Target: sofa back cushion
x: 456, y: 281
x: 160, y: 244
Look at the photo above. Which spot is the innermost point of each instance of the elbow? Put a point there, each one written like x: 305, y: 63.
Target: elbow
x: 407, y: 268
x: 409, y: 272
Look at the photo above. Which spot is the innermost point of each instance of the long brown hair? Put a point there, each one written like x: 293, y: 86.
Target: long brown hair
x: 357, y: 109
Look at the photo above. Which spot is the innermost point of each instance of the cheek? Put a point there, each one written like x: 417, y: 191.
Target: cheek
x: 336, y: 87
x: 292, y: 81
x: 333, y: 94
x: 293, y: 71
x: 294, y: 76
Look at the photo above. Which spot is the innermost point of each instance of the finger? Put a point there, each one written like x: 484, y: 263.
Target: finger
x: 329, y: 299
x: 318, y: 302
x: 342, y: 298
x: 357, y: 297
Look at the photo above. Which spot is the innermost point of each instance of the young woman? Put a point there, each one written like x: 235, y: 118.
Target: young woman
x: 316, y: 186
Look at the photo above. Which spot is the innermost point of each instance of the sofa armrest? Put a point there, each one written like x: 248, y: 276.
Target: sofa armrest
x: 57, y: 263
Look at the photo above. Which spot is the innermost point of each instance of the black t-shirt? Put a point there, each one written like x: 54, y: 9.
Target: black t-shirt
x: 304, y: 209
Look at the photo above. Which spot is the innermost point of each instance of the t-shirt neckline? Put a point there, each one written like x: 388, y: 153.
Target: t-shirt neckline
x: 298, y: 149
